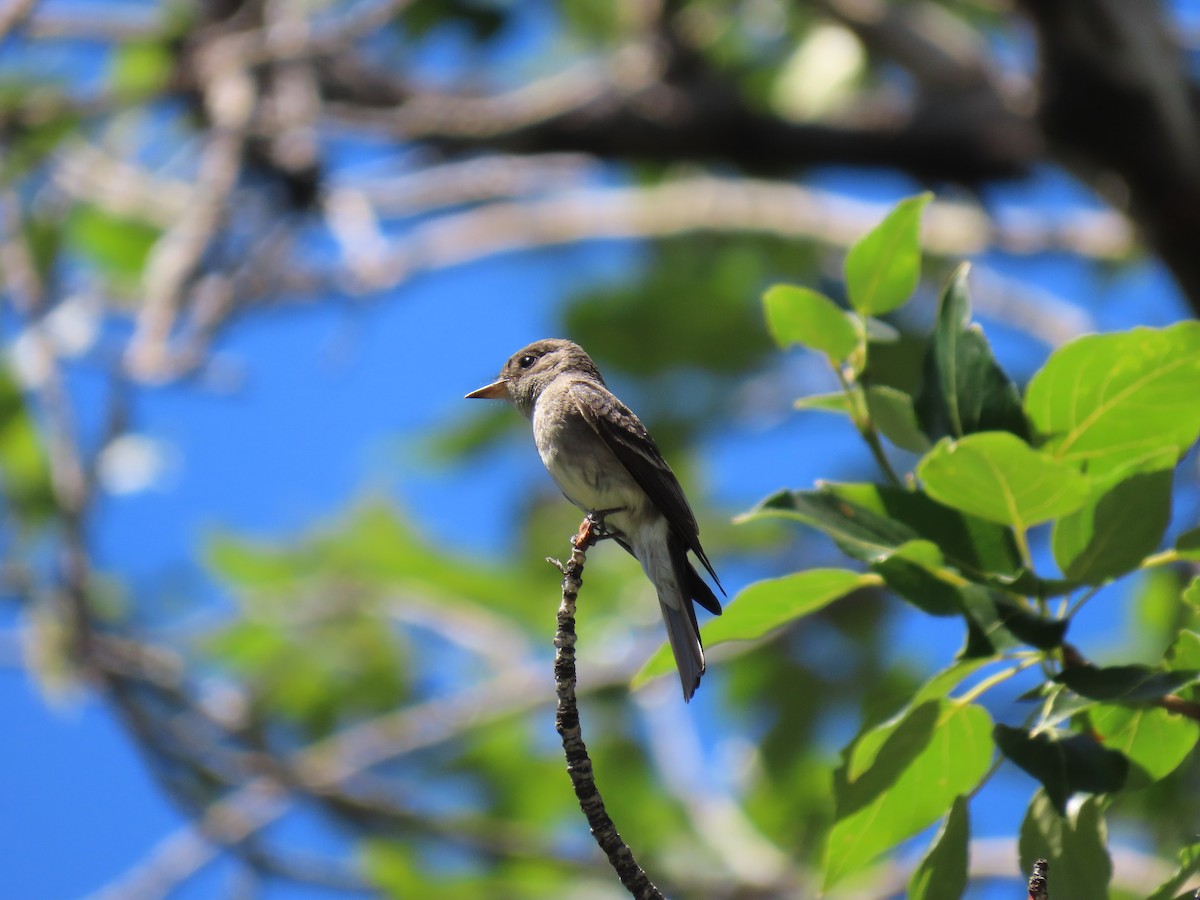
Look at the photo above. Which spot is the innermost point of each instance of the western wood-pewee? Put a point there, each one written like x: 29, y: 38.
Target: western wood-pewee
x: 605, y: 462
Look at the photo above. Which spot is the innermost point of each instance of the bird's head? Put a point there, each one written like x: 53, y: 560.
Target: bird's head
x: 531, y: 369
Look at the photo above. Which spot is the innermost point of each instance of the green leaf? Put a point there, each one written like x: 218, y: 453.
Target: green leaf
x: 119, y: 246
x: 251, y: 567
x: 916, y: 572
x: 896, y: 364
x: 1189, y: 865
x: 398, y: 870
x: 318, y: 673
x: 1064, y: 763
x: 728, y: 339
x: 248, y: 647
x: 964, y: 389
x: 1125, y: 684
x: 43, y: 235
x: 1122, y: 522
x: 900, y: 777
x: 1103, y: 400
x: 995, y: 621
x: 798, y: 315
x: 884, y: 266
x: 1154, y: 740
x: 1185, y: 652
x: 1074, y: 846
x: 30, y: 144
x: 466, y: 437
x: 981, y: 551
x: 859, y: 532
x: 870, y: 523
x: 838, y: 402
x: 1153, y: 614
x: 1187, y: 545
x: 972, y: 545
x: 1191, y: 593
x: 892, y: 412
x: 942, y: 874
x: 389, y: 866
x: 140, y: 69
x: 878, y: 331
x: 764, y: 606
x: 24, y: 470
x: 997, y: 476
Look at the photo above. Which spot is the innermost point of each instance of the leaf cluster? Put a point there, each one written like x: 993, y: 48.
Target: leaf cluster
x: 1083, y: 461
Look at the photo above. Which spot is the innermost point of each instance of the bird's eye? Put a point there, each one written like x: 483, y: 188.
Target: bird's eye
x: 526, y: 361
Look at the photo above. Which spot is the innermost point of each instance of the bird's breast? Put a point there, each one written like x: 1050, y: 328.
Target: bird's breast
x: 582, y: 465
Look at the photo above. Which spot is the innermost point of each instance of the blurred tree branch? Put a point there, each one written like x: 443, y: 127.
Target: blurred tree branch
x: 1121, y: 109
x: 262, y: 80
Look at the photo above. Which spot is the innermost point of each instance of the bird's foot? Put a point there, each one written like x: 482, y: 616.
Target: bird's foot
x: 600, y: 526
x: 593, y: 528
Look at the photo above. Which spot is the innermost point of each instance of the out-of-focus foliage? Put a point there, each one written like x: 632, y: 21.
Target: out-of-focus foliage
x: 1101, y: 731
x: 24, y: 474
x: 194, y: 164
x: 340, y: 627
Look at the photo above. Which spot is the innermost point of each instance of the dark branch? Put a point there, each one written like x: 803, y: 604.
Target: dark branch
x: 977, y: 143
x: 1038, y: 885
x: 1117, y: 101
x: 566, y: 721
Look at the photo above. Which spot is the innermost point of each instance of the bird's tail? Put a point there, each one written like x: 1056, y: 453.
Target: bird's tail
x: 677, y: 583
x: 675, y: 600
x: 685, y: 644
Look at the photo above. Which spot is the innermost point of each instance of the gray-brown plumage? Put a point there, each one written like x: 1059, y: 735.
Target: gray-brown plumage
x: 603, y: 458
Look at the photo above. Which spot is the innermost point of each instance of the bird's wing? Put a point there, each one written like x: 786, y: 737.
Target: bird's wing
x: 624, y: 434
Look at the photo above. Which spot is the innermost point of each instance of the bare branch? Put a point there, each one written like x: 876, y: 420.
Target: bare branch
x: 120, y: 23
x: 14, y: 14
x: 87, y: 172
x: 473, y: 181
x: 566, y: 722
x: 230, y: 99
x: 942, y: 52
x: 729, y: 205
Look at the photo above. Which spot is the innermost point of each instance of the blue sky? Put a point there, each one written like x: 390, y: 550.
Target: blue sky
x: 326, y: 403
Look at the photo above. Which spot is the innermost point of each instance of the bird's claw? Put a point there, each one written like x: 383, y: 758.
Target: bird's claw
x: 594, y: 529
x: 597, y: 517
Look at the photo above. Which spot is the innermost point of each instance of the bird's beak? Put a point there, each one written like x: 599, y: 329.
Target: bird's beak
x: 497, y: 390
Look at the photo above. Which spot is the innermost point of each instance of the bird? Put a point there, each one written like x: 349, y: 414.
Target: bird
x: 606, y: 463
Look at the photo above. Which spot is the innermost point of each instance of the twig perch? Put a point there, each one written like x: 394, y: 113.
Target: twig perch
x: 1038, y: 885
x: 566, y: 721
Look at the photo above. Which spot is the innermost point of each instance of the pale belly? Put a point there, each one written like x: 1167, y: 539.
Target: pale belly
x: 591, y: 476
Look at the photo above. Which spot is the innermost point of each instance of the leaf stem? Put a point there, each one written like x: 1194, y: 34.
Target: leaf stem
x: 1161, y: 559
x: 1023, y: 549
x: 980, y: 688
x: 998, y: 678
x: 1087, y: 595
x: 861, y: 415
